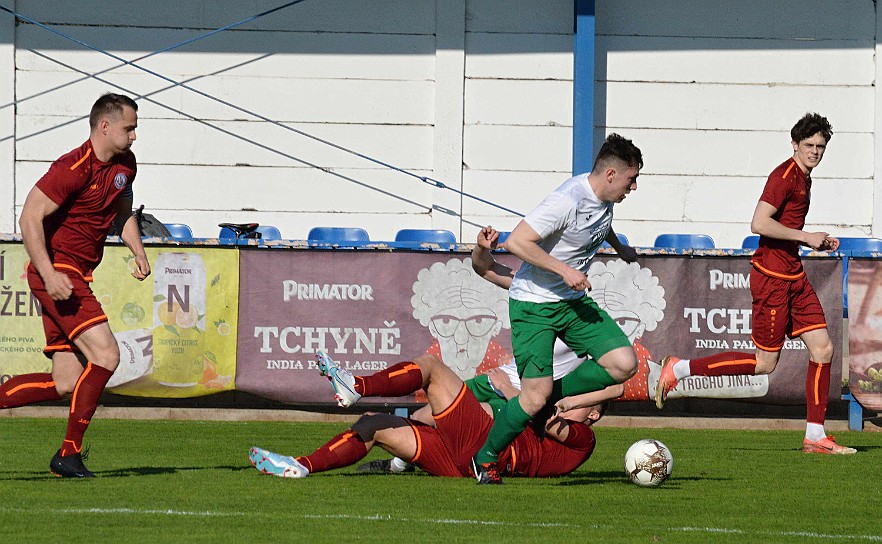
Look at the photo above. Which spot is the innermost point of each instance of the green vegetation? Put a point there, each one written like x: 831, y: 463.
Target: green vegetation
x: 185, y: 481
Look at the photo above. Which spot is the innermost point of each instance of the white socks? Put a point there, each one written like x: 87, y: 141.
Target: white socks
x: 398, y: 465
x: 814, y: 432
x: 681, y: 369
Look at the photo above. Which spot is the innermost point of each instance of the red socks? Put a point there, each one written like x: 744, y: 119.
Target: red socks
x: 817, y: 388
x: 27, y: 389
x: 82, y: 406
x: 341, y: 451
x: 729, y: 363
x: 396, y: 381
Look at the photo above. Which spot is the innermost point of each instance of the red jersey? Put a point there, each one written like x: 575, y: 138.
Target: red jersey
x: 87, y: 192
x: 531, y: 456
x: 461, y: 429
x: 788, y: 189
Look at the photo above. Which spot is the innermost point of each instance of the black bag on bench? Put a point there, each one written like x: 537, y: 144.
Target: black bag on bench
x: 149, y: 225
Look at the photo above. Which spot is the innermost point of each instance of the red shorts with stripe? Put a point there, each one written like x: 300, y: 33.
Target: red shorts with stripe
x: 783, y: 308
x: 64, y: 320
x: 459, y: 432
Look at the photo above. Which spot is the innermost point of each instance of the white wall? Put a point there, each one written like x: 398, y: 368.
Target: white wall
x: 7, y: 125
x: 710, y: 89
x: 518, y: 105
x: 474, y: 93
x: 385, y: 78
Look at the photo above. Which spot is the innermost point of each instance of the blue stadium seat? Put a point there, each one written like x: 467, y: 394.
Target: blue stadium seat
x: 437, y: 236
x: 750, y: 242
x: 622, y: 238
x: 684, y: 241
x: 338, y: 234
x: 269, y: 232
x: 860, y: 244
x: 179, y: 231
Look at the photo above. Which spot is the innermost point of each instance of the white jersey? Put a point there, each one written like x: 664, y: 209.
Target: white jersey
x: 573, y: 223
x: 564, y: 361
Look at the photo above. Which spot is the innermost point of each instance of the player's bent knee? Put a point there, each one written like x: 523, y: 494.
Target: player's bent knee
x: 64, y: 387
x: 107, y: 361
x: 532, y: 401
x: 621, y: 364
x: 824, y: 354
x: 765, y: 367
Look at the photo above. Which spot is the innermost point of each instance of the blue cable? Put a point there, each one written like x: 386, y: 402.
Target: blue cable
x: 424, y: 179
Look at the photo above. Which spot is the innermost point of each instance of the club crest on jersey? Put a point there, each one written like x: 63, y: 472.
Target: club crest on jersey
x: 120, y: 180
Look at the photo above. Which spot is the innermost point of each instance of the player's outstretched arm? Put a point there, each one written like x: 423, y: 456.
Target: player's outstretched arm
x: 568, y: 404
x: 483, y: 262
x: 764, y: 224
x: 626, y: 253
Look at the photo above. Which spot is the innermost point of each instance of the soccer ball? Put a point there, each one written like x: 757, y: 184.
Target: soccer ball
x: 648, y: 462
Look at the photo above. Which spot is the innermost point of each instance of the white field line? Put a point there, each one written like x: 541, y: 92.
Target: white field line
x: 438, y: 521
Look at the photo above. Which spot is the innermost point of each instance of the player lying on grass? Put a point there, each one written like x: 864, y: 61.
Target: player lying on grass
x: 493, y: 390
x: 461, y: 426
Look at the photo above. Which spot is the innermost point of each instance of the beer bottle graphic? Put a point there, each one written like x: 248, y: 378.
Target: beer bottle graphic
x: 178, y: 319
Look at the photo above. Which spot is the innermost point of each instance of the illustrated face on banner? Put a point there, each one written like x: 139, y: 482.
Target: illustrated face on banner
x: 630, y: 294
x: 462, y: 311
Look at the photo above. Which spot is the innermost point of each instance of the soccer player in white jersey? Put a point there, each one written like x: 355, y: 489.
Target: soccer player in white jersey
x: 502, y: 383
x: 548, y: 300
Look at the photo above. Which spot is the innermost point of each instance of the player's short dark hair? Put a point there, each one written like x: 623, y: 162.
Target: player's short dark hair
x: 809, y: 125
x: 604, y: 406
x: 109, y: 104
x: 621, y: 148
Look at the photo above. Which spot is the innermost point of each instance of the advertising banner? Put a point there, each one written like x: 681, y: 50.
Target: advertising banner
x: 21, y: 330
x: 865, y: 331
x: 369, y: 310
x: 697, y: 306
x: 175, y: 330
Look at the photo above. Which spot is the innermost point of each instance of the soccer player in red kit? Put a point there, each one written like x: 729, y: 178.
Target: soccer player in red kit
x: 461, y: 426
x: 784, y: 302
x: 64, y: 224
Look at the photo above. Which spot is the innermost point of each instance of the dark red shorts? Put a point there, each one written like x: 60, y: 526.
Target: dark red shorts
x: 783, y: 308
x: 64, y: 320
x: 459, y: 432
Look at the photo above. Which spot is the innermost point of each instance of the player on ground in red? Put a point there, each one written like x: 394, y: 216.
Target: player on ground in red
x: 462, y: 425
x: 64, y: 224
x: 784, y: 302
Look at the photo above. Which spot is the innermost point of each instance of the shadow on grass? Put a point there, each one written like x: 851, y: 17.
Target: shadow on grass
x: 611, y: 477
x: 118, y: 473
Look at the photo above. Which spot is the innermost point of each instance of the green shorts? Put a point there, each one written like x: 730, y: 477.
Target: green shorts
x: 580, y: 323
x: 484, y: 392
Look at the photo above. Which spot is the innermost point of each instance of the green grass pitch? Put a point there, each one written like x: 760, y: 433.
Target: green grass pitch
x: 190, y: 481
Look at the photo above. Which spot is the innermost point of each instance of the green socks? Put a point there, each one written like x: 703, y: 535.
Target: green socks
x: 510, y: 422
x: 587, y: 377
